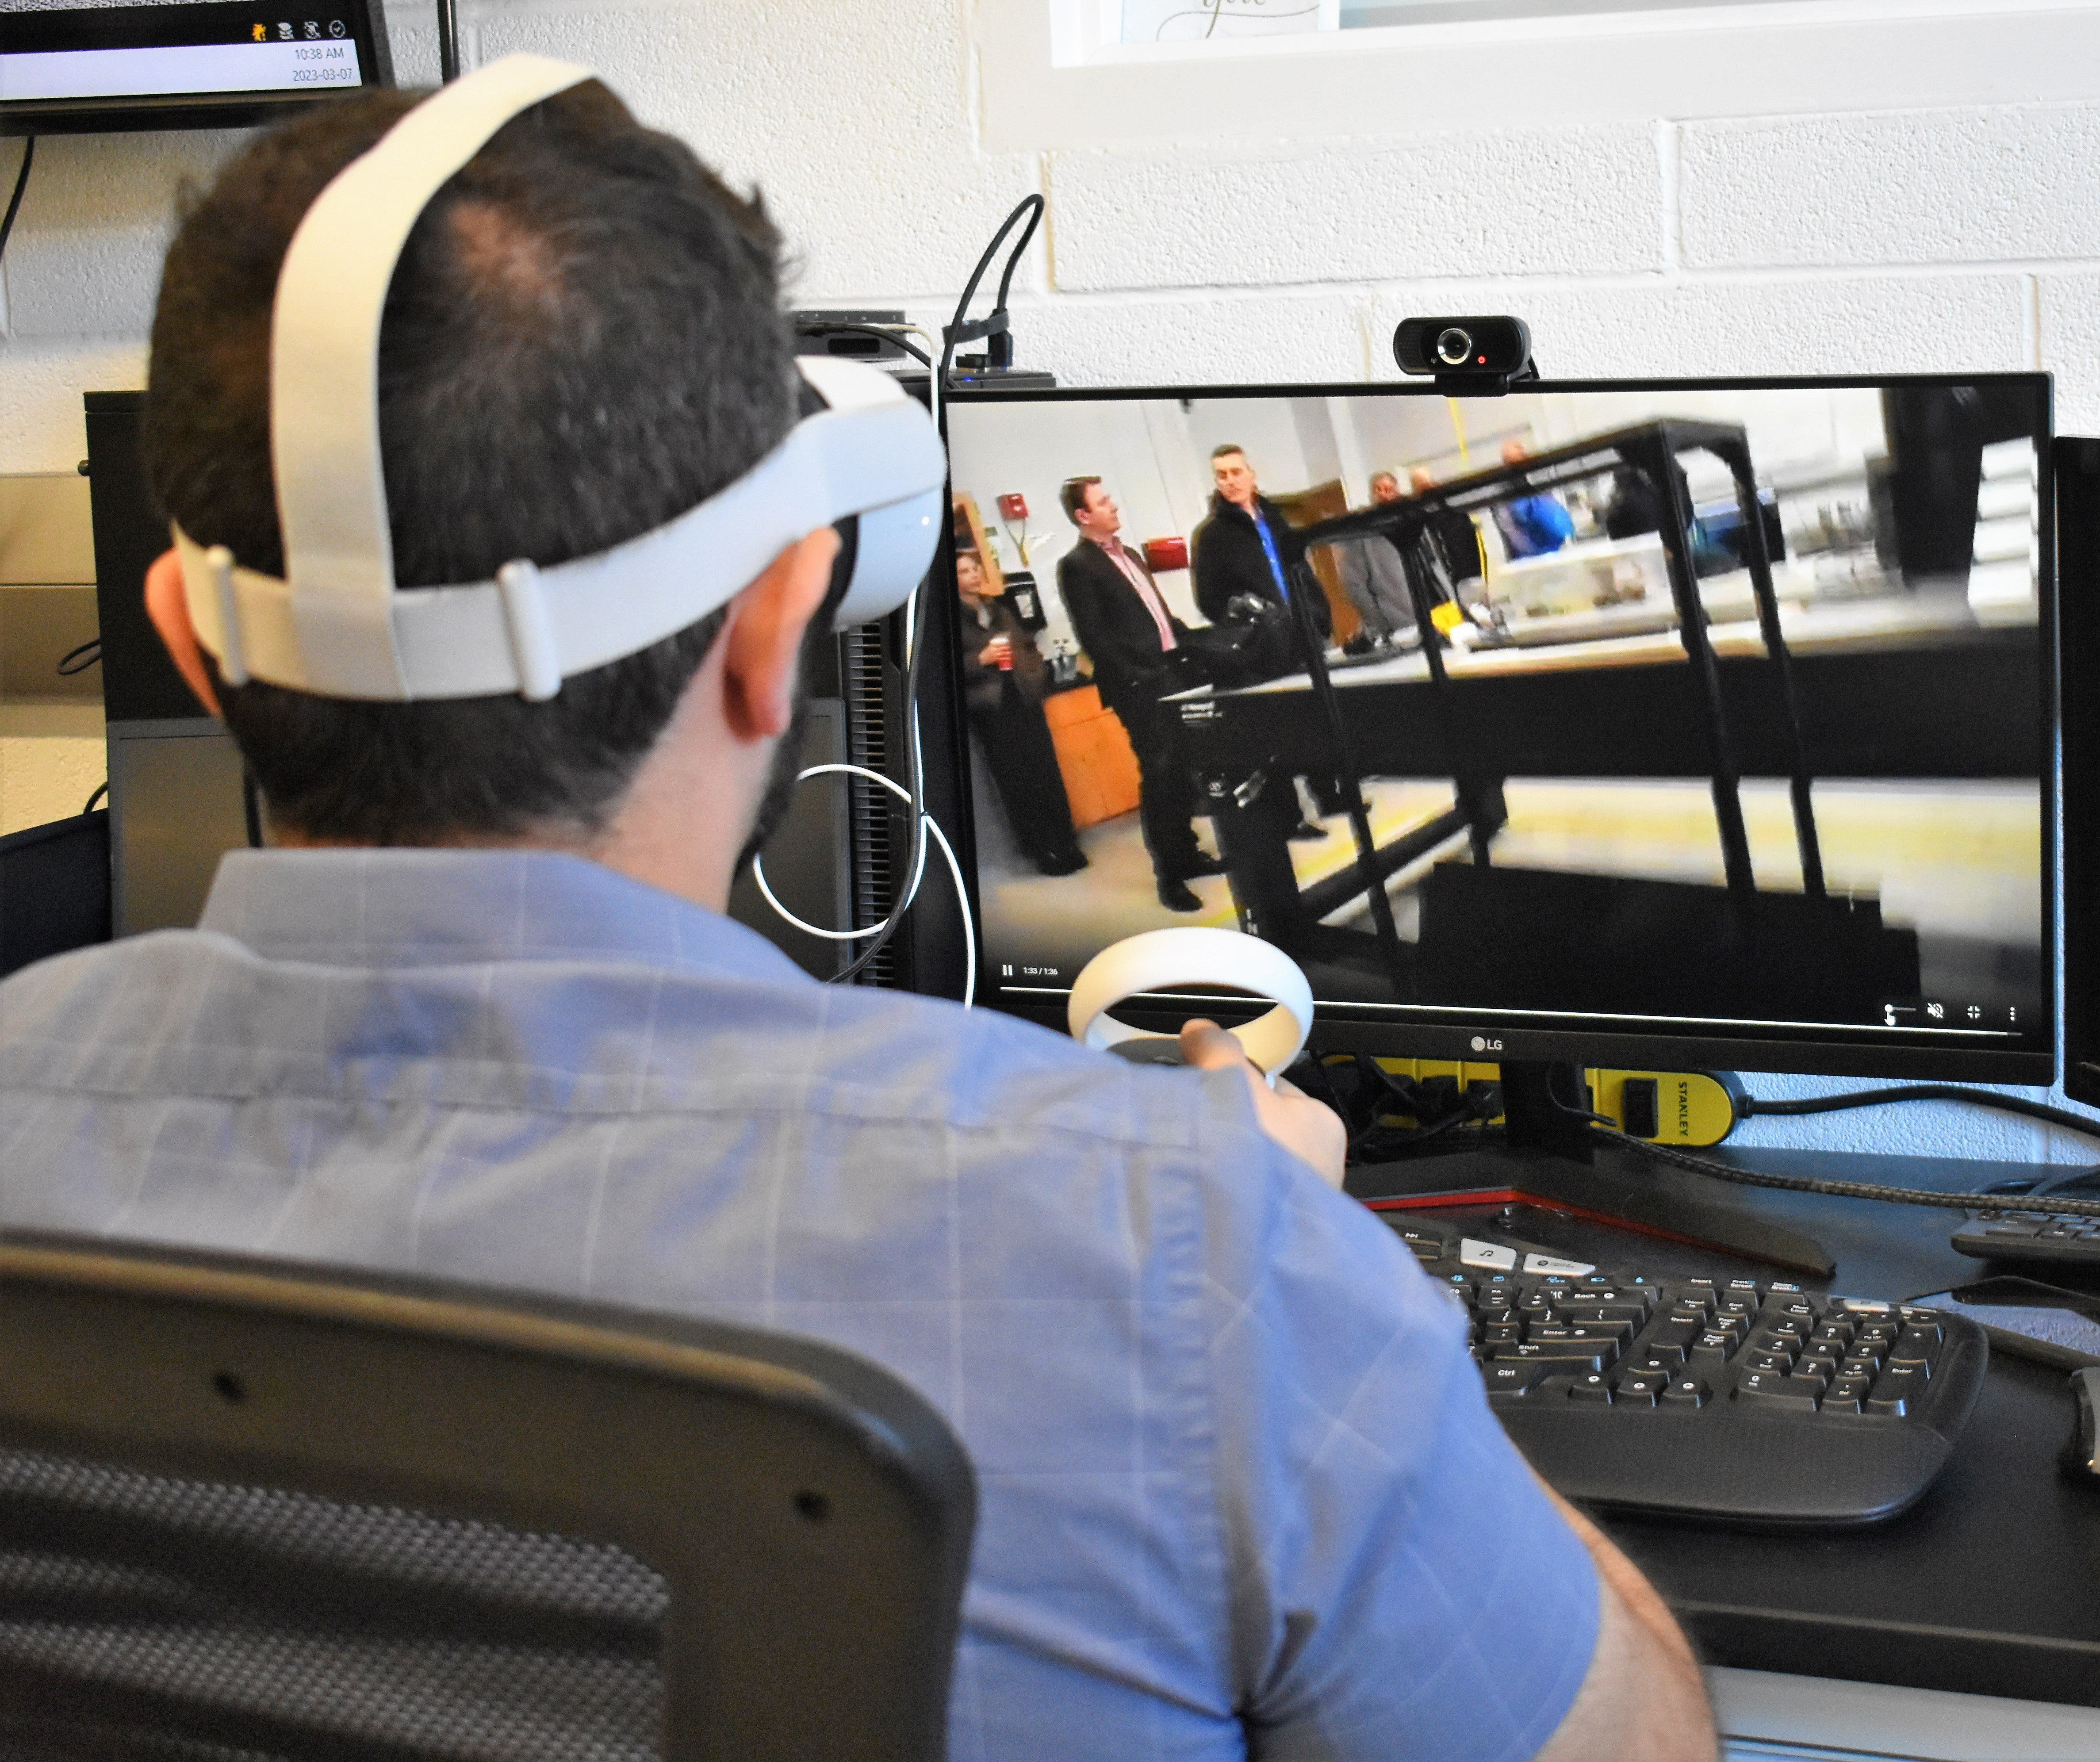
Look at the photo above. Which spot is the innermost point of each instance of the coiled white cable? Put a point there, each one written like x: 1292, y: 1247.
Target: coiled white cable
x: 947, y: 850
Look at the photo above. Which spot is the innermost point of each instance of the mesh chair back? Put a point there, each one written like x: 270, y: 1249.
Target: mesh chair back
x: 253, y: 1511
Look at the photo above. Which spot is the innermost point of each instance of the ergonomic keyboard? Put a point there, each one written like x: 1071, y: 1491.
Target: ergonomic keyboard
x: 2032, y: 1237
x: 1734, y: 1400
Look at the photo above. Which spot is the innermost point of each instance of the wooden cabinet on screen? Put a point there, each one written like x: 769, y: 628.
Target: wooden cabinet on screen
x: 1093, y: 755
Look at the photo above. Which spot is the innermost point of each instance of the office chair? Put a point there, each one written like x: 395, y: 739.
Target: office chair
x: 254, y: 1510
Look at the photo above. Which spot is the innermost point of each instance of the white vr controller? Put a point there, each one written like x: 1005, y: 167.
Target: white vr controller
x: 1165, y: 960
x: 337, y: 625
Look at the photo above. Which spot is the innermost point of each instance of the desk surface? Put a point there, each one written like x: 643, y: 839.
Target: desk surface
x: 1990, y: 1585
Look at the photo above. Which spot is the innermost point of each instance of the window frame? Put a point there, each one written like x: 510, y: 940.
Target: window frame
x: 1050, y: 79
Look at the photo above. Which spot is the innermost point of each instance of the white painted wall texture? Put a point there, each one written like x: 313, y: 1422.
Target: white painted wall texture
x: 1933, y: 240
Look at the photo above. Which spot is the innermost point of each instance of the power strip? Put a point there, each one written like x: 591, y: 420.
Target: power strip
x: 1688, y: 1108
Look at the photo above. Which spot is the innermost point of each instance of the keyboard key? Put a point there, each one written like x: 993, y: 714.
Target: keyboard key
x: 1920, y: 1322
x: 1592, y: 1388
x: 1848, y: 1395
x: 1502, y: 1379
x: 1589, y: 1355
x: 1618, y: 1333
x: 1628, y: 1316
x: 1672, y: 1335
x: 1500, y: 1334
x: 1686, y: 1392
x: 1762, y: 1389
x: 1895, y: 1389
x: 1712, y: 1350
x: 1549, y: 1263
x: 1491, y: 1256
x: 1642, y: 1381
x: 1776, y: 1340
x: 1768, y: 1364
x: 1814, y: 1363
x: 1860, y: 1364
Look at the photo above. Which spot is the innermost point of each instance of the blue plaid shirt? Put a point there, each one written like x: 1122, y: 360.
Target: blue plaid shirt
x: 1240, y: 1490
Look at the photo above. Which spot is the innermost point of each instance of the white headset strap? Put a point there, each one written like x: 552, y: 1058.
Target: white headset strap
x: 324, y: 363
x: 531, y: 628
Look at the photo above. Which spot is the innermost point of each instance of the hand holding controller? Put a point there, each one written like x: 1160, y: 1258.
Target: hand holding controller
x: 1162, y: 959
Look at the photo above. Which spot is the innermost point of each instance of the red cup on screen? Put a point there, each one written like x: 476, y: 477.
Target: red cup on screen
x: 1160, y: 553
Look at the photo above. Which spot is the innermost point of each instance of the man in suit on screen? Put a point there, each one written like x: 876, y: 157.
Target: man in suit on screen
x: 1122, y: 622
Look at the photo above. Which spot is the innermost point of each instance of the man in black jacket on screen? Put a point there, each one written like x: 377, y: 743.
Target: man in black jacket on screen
x: 1247, y: 549
x: 1123, y: 624
x: 1247, y: 546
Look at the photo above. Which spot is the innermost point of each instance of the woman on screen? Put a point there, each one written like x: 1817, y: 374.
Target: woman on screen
x: 1004, y: 682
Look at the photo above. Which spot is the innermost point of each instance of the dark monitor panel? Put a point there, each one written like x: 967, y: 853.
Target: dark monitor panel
x: 83, y: 67
x: 1691, y: 724
x: 2078, y: 574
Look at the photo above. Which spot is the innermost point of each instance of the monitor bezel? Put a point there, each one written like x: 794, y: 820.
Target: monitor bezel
x: 1485, y: 1036
x: 133, y: 113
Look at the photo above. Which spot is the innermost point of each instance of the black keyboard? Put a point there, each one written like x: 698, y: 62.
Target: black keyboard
x: 2035, y: 1239
x: 1734, y: 1400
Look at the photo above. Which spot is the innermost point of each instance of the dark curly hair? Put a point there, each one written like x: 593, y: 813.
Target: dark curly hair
x: 583, y: 338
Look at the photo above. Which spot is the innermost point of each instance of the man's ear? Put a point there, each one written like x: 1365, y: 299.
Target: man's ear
x: 762, y: 641
x: 169, y: 609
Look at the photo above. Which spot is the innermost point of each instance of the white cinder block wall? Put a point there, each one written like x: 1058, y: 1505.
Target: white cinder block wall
x: 1932, y: 240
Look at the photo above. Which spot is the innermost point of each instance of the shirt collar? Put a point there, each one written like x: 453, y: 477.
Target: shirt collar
x: 409, y: 908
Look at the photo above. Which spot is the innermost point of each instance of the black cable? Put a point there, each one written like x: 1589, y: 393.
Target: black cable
x: 21, y: 183
x: 1838, y: 1189
x: 79, y: 658
x: 101, y: 789
x: 448, y: 61
x: 993, y: 327
x: 1926, y: 1092
x: 908, y: 347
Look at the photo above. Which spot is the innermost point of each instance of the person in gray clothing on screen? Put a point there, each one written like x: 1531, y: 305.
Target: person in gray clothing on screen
x: 1373, y: 577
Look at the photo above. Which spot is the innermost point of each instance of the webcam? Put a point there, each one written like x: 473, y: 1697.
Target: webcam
x: 1469, y: 357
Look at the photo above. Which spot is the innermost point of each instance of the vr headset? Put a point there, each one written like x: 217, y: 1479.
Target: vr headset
x: 866, y: 459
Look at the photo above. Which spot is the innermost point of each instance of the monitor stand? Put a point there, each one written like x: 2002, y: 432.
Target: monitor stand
x: 1552, y: 1157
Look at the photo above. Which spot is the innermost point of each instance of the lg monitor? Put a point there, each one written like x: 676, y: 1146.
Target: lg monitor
x: 1665, y: 724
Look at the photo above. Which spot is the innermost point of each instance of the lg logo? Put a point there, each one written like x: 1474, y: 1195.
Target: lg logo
x: 1482, y: 1043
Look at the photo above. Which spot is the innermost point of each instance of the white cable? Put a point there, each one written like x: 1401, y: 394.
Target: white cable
x: 947, y: 850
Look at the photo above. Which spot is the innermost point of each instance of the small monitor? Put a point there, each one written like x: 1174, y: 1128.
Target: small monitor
x: 1663, y: 724
x: 86, y: 68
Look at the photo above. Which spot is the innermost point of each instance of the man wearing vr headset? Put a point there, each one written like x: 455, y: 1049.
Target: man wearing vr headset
x: 477, y: 1014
